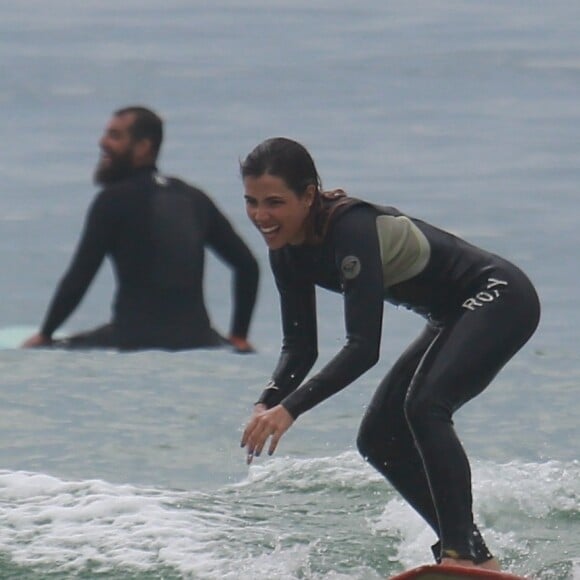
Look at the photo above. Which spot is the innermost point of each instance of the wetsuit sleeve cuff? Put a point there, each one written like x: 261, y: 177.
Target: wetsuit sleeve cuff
x: 270, y: 395
x: 292, y: 409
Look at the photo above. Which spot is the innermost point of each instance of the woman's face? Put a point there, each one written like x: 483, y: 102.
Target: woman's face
x: 277, y: 211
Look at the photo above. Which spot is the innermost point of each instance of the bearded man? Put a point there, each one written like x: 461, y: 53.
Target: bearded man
x: 155, y: 229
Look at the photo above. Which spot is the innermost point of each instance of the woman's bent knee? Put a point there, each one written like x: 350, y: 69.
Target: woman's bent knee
x: 364, y: 440
x: 381, y: 446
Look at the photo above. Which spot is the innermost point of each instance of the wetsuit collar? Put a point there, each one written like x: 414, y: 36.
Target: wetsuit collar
x: 144, y: 170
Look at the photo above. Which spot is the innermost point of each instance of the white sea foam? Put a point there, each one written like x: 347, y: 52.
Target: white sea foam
x: 348, y: 469
x: 49, y: 522
x: 252, y: 529
x: 512, y: 503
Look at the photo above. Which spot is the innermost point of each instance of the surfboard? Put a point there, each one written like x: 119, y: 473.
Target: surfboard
x: 14, y: 336
x: 442, y: 572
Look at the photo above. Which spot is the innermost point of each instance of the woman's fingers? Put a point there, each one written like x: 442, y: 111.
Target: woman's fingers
x: 274, y: 443
x: 255, y: 436
x: 272, y: 423
x: 258, y: 410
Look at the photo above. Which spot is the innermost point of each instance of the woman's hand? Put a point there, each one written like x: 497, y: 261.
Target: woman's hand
x: 263, y: 424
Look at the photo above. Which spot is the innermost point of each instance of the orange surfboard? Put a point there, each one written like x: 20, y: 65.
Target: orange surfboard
x: 442, y: 572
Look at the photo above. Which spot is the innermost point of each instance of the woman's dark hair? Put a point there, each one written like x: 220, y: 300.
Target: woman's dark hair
x: 147, y: 125
x: 283, y: 158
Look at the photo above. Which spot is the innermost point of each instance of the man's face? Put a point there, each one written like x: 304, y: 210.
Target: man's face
x: 117, y: 147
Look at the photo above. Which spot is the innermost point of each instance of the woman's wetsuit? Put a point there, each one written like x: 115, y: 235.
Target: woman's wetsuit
x: 480, y: 310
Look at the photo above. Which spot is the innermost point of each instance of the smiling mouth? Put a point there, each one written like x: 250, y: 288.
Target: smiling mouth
x: 268, y: 231
x: 105, y: 155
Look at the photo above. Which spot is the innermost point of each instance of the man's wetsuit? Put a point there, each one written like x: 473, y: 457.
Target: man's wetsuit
x: 155, y: 230
x: 480, y: 310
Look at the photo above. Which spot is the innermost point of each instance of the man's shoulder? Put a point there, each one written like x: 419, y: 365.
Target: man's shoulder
x: 131, y: 190
x: 172, y: 181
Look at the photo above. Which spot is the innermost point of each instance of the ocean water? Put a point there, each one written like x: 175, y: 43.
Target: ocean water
x: 128, y: 466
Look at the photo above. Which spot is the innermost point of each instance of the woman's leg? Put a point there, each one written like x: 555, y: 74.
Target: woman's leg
x: 460, y: 363
x: 384, y: 437
x: 386, y: 442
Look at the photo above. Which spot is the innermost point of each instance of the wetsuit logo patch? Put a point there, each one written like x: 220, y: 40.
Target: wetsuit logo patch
x: 161, y: 180
x: 491, y: 292
x: 350, y: 267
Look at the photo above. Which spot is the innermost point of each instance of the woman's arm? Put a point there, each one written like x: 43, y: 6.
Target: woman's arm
x: 299, y: 345
x: 358, y: 258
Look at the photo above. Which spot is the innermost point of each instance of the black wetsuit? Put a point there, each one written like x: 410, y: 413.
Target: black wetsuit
x: 480, y: 310
x: 155, y: 230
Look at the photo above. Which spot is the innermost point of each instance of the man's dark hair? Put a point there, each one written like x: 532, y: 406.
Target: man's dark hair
x: 147, y: 125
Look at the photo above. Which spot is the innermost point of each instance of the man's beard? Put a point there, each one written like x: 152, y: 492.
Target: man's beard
x: 116, y: 169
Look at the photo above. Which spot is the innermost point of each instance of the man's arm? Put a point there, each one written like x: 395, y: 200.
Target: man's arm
x: 230, y: 248
x: 85, y: 263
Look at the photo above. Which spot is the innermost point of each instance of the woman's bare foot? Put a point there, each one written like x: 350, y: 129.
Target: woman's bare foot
x: 456, y: 562
x: 492, y: 564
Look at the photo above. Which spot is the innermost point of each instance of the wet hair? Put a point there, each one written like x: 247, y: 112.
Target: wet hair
x: 291, y: 162
x: 283, y: 158
x: 147, y: 125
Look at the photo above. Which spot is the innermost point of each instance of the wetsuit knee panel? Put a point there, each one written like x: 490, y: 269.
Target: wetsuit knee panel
x: 380, y: 444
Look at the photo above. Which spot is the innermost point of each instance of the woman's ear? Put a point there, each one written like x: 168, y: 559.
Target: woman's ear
x: 310, y: 194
